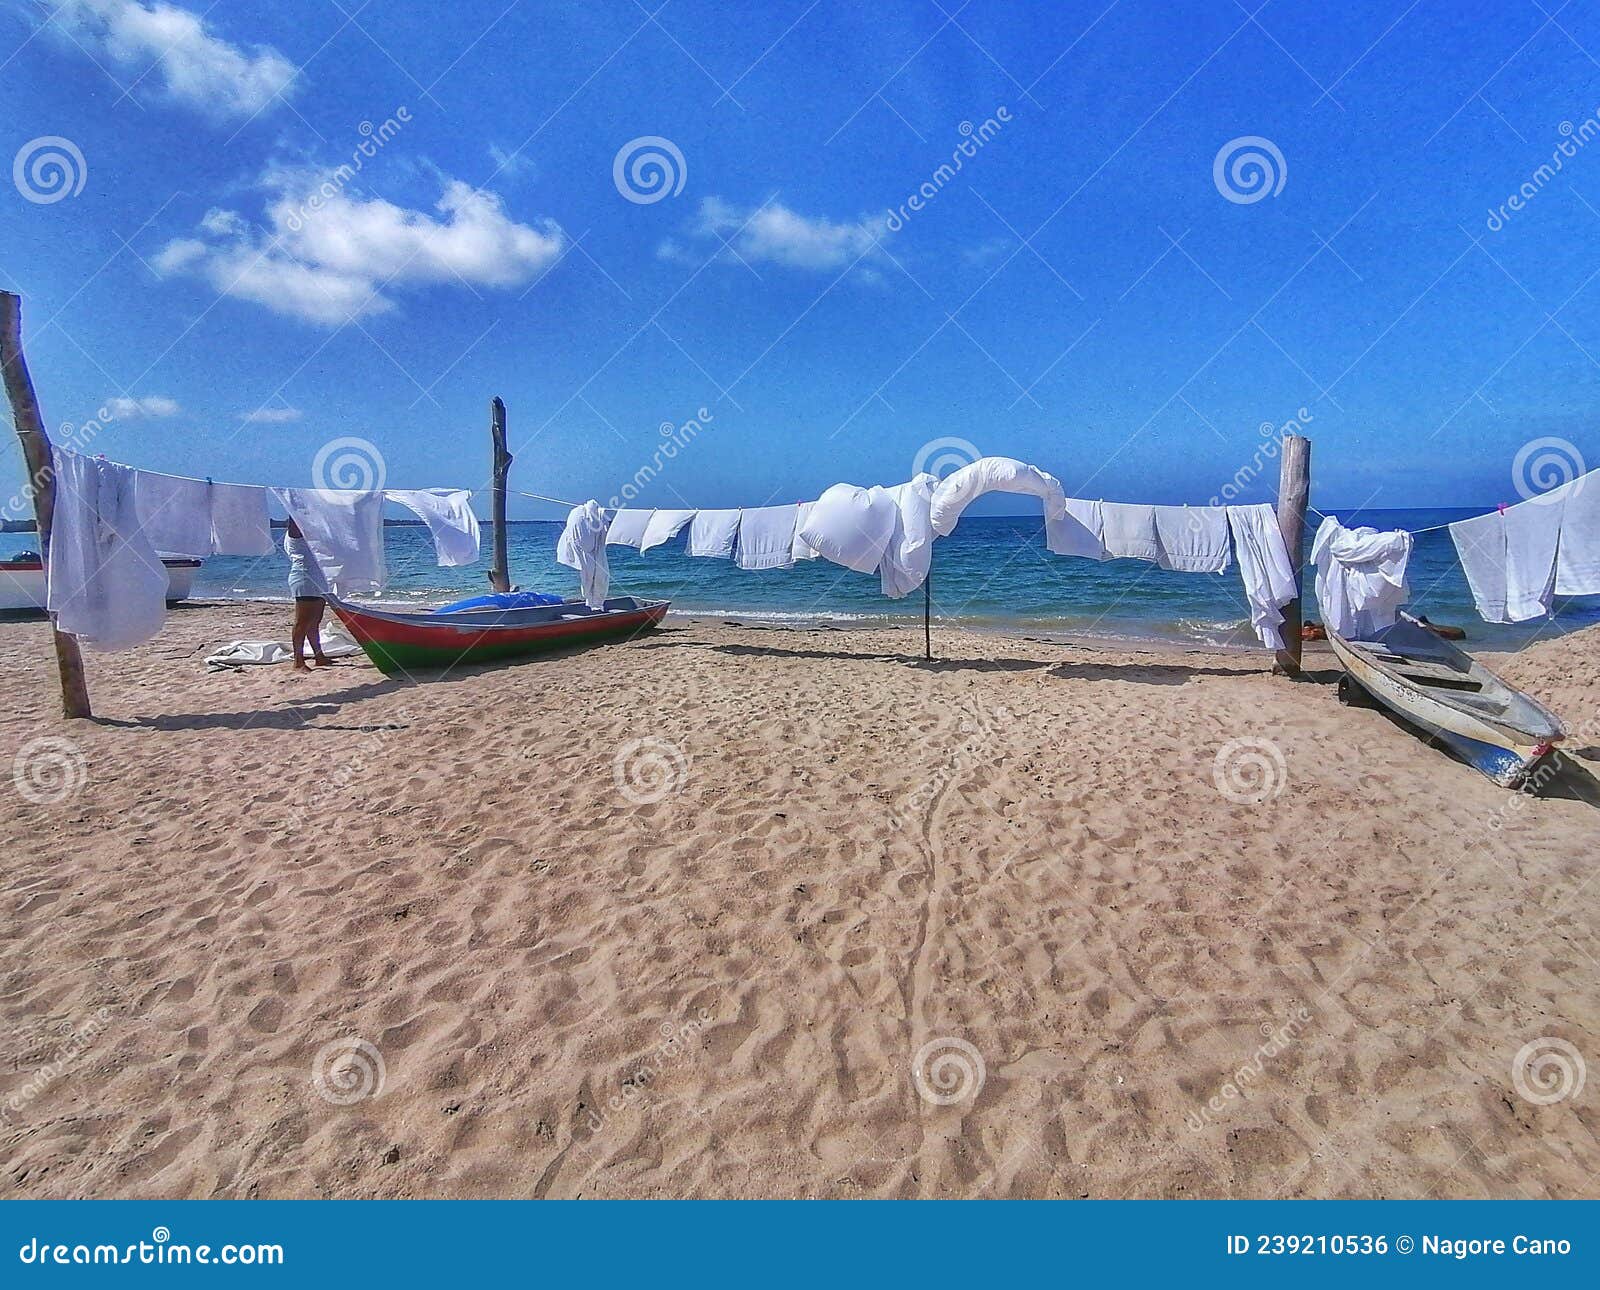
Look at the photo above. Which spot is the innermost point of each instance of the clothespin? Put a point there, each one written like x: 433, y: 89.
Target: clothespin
x: 1501, y: 507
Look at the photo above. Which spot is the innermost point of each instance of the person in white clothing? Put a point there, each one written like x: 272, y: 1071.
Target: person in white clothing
x: 309, y: 589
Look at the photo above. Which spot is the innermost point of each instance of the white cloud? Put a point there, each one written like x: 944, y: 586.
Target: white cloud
x: 273, y: 416
x: 152, y: 405
x: 327, y: 256
x: 176, y: 50
x: 775, y: 234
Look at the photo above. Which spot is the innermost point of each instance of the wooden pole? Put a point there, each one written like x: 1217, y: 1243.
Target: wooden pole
x: 927, y: 613
x: 42, y: 479
x: 1294, y: 491
x: 499, y: 572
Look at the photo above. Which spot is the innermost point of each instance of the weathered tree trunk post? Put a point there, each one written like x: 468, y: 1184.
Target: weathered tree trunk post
x: 42, y: 483
x: 1294, y: 490
x: 927, y: 614
x: 499, y: 573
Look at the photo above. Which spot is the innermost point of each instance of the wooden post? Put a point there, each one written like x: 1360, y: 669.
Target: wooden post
x: 499, y: 573
x: 927, y: 614
x: 1294, y: 490
x: 42, y: 480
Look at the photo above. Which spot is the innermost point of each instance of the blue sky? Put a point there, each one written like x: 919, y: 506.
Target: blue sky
x: 1082, y: 294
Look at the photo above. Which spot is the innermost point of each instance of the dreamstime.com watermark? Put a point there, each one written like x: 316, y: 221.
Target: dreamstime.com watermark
x: 373, y: 139
x: 973, y: 140
x: 48, y: 169
x: 1268, y: 450
x: 74, y: 437
x: 1249, y: 772
x: 1278, y: 1038
x: 1249, y: 168
x: 649, y: 770
x: 1548, y: 1070
x: 648, y: 169
x: 633, y: 1092
x: 349, y: 1070
x: 1543, y: 465
x: 942, y: 456
x: 948, y: 1070
x: 674, y: 439
x: 49, y: 770
x: 1573, y: 138
x: 349, y: 463
x: 77, y: 1042
x: 160, y: 1250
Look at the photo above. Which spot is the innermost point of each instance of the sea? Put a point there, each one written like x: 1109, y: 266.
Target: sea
x: 992, y: 573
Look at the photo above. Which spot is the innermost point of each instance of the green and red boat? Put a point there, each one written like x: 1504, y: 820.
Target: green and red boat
x: 401, y: 642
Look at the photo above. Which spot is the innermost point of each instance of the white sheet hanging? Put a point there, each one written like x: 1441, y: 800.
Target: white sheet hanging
x: 1129, y: 531
x: 1077, y: 530
x: 663, y: 527
x: 852, y: 526
x: 105, y: 582
x: 582, y: 546
x: 344, y: 529
x: 1533, y: 531
x: 1269, y: 581
x: 1194, y: 539
x: 766, y: 537
x: 712, y: 533
x: 803, y: 550
x: 174, y: 512
x: 628, y: 527
x: 961, y: 488
x: 1509, y: 558
x: 451, y: 523
x: 909, y: 553
x: 239, y: 524
x: 1578, y: 555
x: 1361, y: 577
x: 1481, y: 547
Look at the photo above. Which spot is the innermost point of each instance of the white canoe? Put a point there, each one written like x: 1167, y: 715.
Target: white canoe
x: 1451, y: 697
x: 22, y: 582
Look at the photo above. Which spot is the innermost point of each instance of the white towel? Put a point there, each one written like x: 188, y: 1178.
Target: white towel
x: 628, y: 527
x: 1533, y: 531
x: 1194, y: 539
x: 663, y: 527
x: 1269, y: 581
x: 1578, y: 556
x: 1361, y: 577
x: 852, y: 526
x: 344, y: 529
x: 1077, y: 531
x: 451, y: 523
x: 105, y: 581
x: 962, y: 487
x: 1129, y: 532
x: 174, y: 512
x: 1481, y: 548
x: 265, y: 653
x: 239, y: 524
x: 582, y: 546
x: 766, y: 537
x: 803, y: 550
x: 712, y: 533
x: 909, y: 554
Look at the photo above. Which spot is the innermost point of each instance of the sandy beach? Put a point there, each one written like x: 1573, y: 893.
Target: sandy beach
x: 727, y: 911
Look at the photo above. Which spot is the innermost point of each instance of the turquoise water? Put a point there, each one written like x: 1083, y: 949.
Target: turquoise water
x: 991, y: 572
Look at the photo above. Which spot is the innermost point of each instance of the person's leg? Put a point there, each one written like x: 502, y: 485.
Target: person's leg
x: 302, y: 623
x: 314, y: 634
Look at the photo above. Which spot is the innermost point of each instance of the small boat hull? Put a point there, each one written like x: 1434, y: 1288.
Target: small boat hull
x: 23, y: 585
x: 399, y: 643
x: 1453, y: 699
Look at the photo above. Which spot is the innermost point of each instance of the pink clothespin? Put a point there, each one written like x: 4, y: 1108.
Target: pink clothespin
x: 1501, y: 507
